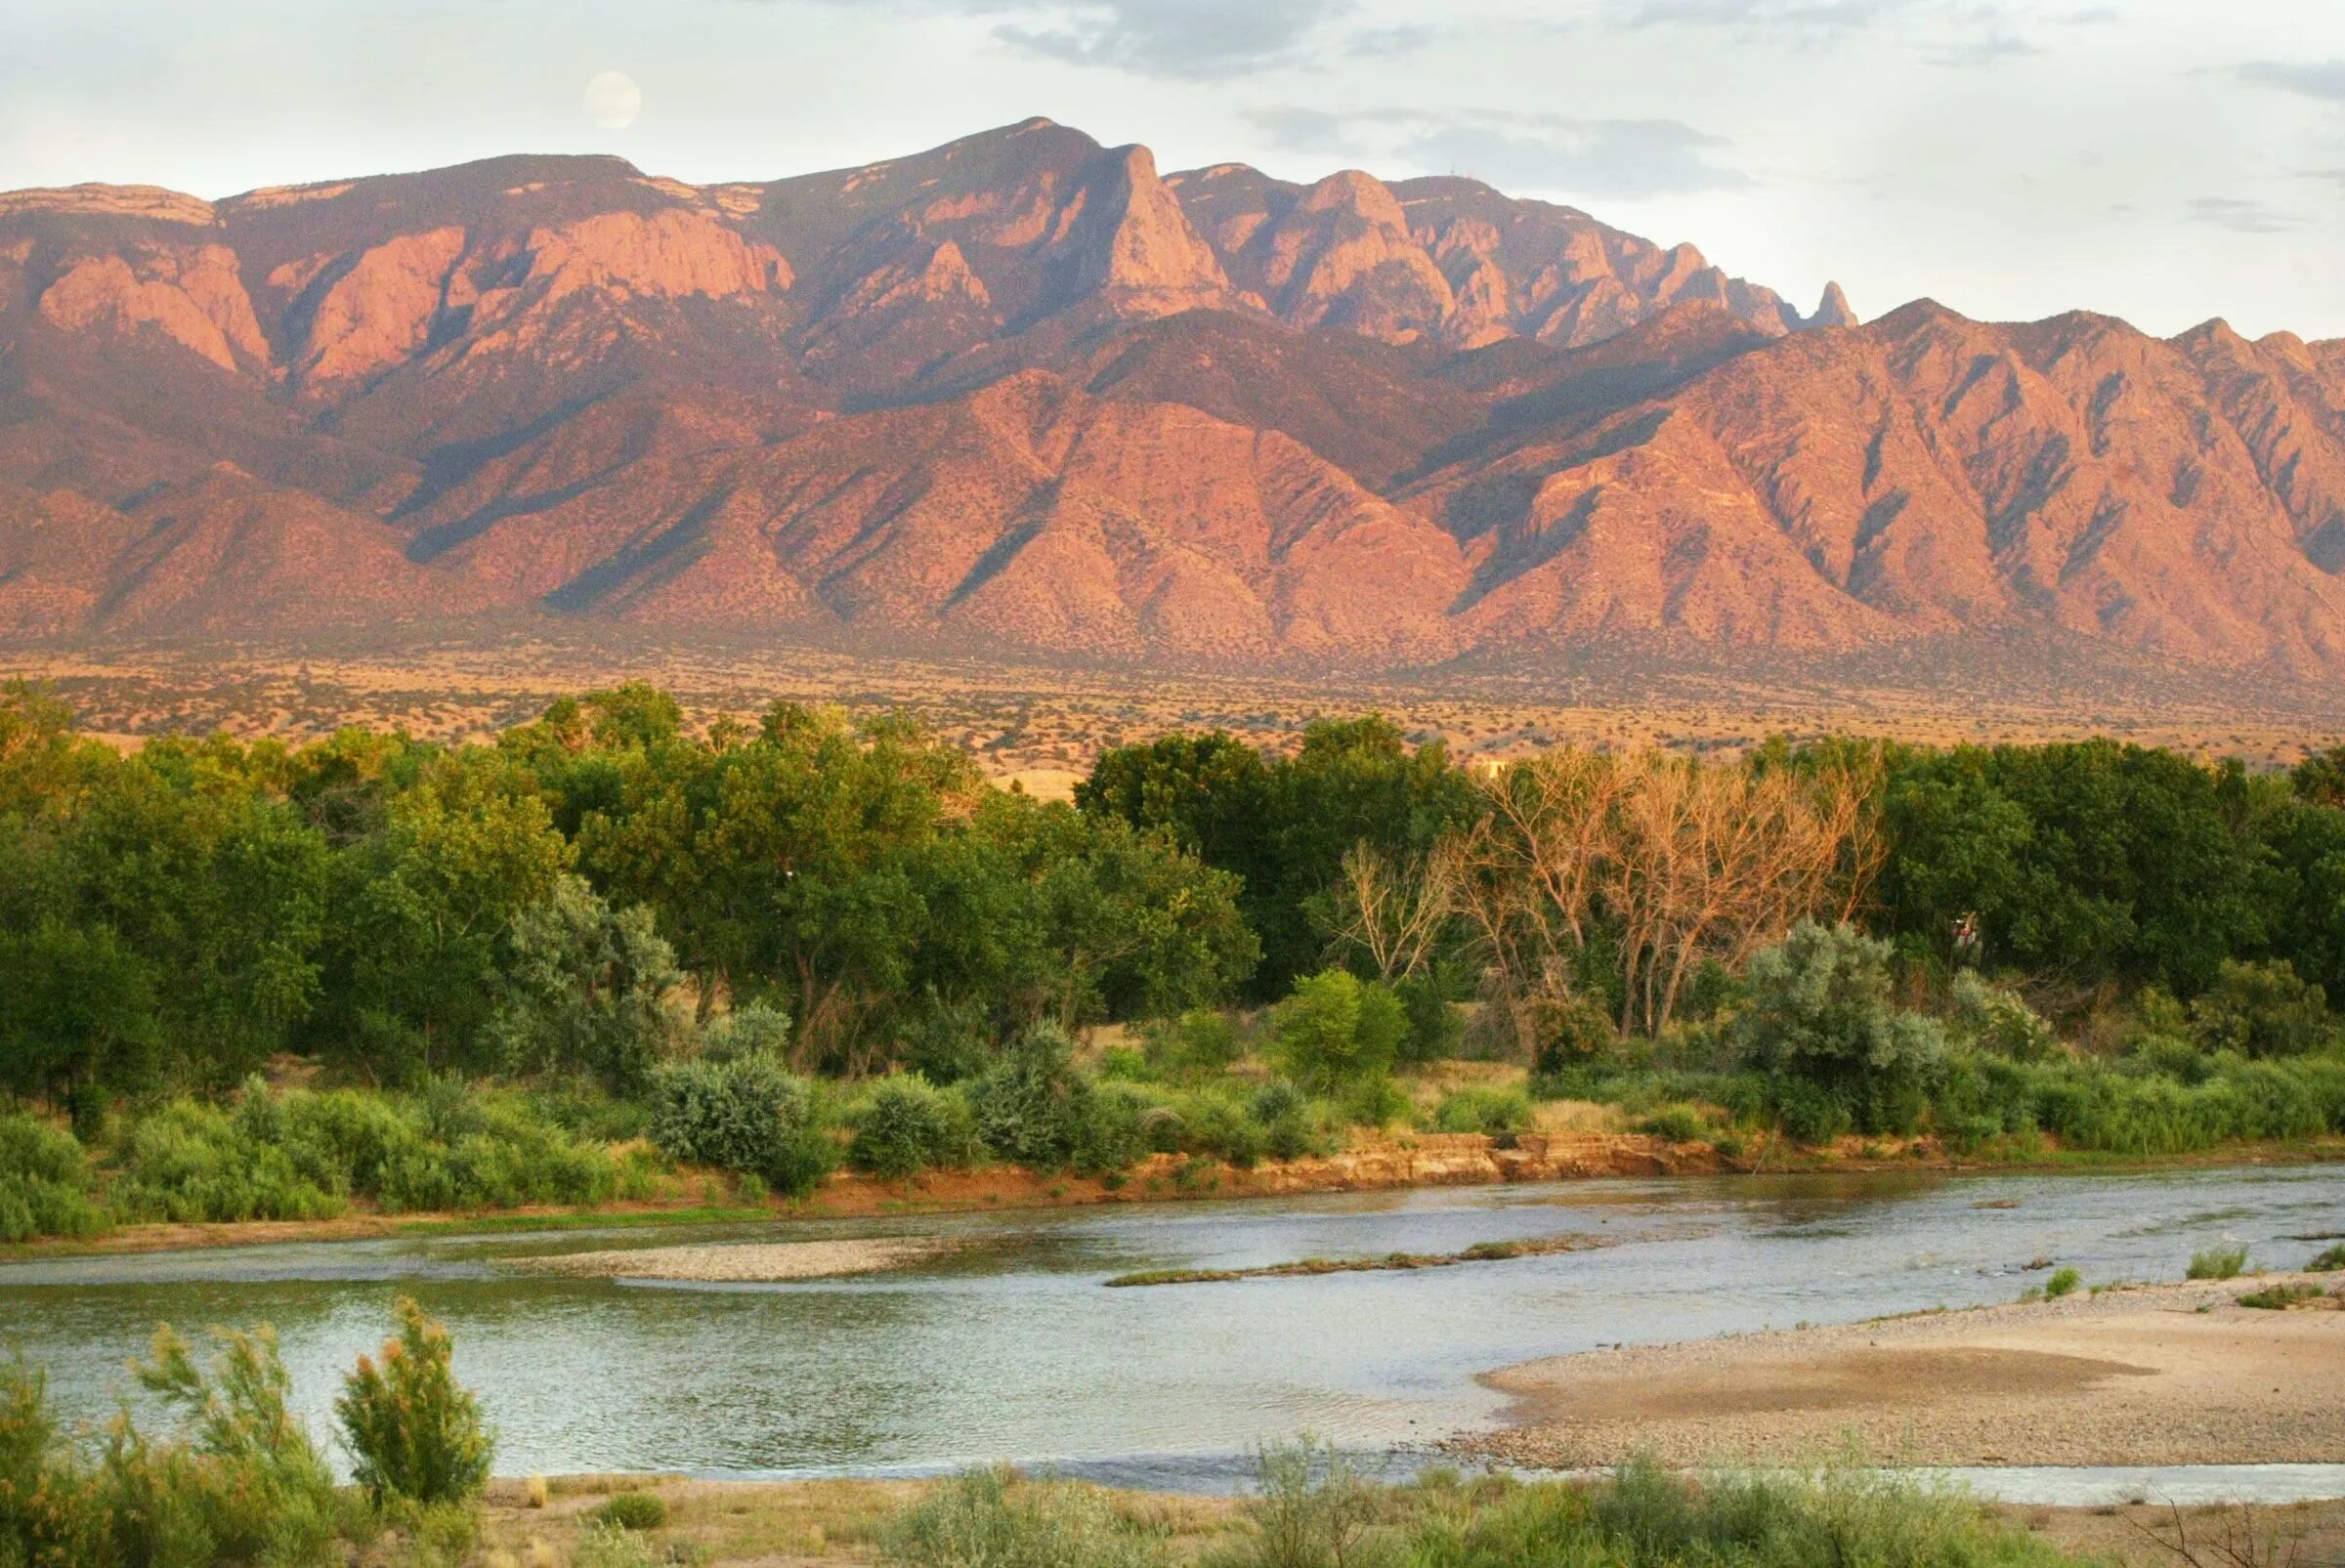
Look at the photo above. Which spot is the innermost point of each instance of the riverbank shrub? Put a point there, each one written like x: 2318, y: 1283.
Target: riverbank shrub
x: 1035, y: 1107
x: 1644, y: 1518
x: 236, y: 1481
x: 633, y: 1511
x: 2217, y: 1263
x: 1493, y: 1112
x: 908, y: 1125
x: 46, y: 1187
x: 414, y: 1433
x: 744, y: 1113
x: 991, y: 1519
x: 306, y: 1154
x: 1337, y: 1032
x: 1820, y: 1020
x: 2260, y: 1009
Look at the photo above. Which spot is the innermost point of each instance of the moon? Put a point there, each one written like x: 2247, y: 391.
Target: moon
x: 613, y: 99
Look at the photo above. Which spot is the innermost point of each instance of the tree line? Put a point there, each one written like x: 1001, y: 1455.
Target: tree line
x: 603, y: 887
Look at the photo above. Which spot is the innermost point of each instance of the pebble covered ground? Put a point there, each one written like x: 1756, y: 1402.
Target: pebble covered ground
x: 745, y: 1263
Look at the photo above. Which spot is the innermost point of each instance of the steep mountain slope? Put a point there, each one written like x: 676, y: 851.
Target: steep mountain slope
x: 1021, y: 391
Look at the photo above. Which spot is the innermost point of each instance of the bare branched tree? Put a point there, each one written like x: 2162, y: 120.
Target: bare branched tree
x: 1687, y: 861
x: 1396, y: 911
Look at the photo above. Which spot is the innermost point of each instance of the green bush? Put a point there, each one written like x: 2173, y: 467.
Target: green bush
x: 1336, y: 1031
x: 414, y: 1433
x: 1574, y: 1031
x: 1994, y: 1018
x: 305, y: 1155
x: 190, y: 1161
x: 752, y: 1029
x: 1030, y: 1103
x: 745, y: 1114
x: 1496, y: 1113
x: 1434, y: 1029
x: 1677, y: 1124
x: 1820, y: 1017
x: 2281, y: 1297
x: 50, y: 1515
x: 2262, y: 1009
x: 908, y: 1125
x: 45, y: 1182
x: 608, y: 1546
x: 990, y: 1519
x: 633, y: 1511
x: 1200, y: 1041
x: 2063, y: 1282
x: 1283, y: 1112
x: 2218, y: 1264
x: 2327, y: 1261
x: 1644, y: 1518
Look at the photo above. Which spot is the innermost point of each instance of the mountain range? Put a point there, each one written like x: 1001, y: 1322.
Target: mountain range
x: 1023, y: 392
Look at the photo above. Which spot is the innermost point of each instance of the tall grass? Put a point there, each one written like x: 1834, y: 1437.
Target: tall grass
x: 990, y: 1519
x: 2217, y: 1263
x: 1310, y: 1509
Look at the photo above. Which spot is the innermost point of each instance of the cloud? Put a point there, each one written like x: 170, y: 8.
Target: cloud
x: 1799, y: 19
x: 1615, y: 158
x: 2242, y: 215
x: 1387, y: 43
x: 1198, y: 39
x: 2319, y: 79
x: 1305, y: 130
x: 1518, y: 151
x: 1985, y: 51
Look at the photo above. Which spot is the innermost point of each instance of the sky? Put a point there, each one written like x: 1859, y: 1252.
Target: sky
x: 2162, y: 160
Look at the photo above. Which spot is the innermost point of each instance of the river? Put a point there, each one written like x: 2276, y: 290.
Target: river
x: 1011, y: 1348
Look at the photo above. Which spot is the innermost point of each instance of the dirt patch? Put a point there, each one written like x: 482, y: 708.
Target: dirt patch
x: 761, y: 1263
x: 2155, y: 1375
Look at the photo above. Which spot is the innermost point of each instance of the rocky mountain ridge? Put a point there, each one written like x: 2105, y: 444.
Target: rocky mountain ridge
x: 1022, y: 391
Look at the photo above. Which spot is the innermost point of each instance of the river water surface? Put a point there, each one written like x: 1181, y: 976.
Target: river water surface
x: 1011, y: 1348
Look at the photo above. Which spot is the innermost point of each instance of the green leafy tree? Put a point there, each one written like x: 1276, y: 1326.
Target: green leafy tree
x: 787, y: 864
x: 422, y: 913
x: 79, y: 1016
x: 586, y: 988
x: 2262, y: 1009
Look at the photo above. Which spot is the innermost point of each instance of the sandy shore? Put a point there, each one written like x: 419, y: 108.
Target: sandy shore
x: 755, y: 1262
x: 2155, y: 1375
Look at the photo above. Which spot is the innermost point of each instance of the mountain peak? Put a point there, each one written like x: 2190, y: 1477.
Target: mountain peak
x: 1833, y: 310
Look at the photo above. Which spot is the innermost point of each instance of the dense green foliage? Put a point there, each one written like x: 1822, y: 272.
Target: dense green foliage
x: 1282, y: 825
x: 1336, y: 1031
x: 236, y: 1480
x: 775, y: 948
x: 178, y: 915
